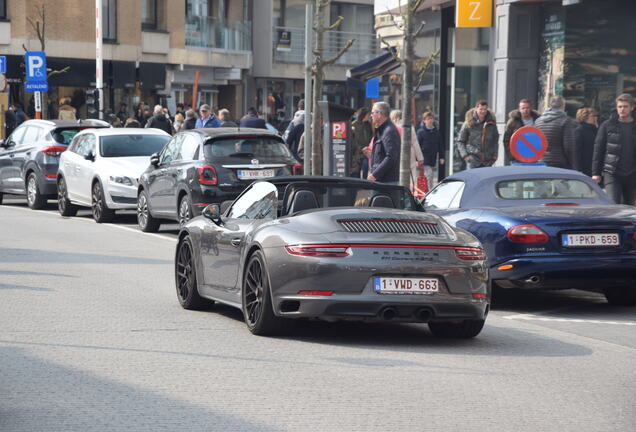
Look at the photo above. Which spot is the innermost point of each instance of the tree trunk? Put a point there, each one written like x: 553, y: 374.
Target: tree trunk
x: 316, y: 119
x: 408, y: 54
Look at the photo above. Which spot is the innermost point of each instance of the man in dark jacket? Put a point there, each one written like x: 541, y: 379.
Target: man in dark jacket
x: 190, y: 120
x: 615, y: 153
x: 558, y: 128
x: 478, y: 141
x: 159, y: 120
x: 251, y: 120
x: 430, y: 141
x: 584, y: 137
x: 226, y: 119
x: 385, y: 159
x: 10, y: 121
x: 524, y: 116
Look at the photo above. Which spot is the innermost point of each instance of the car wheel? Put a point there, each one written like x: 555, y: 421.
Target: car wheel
x: 457, y: 330
x: 256, y: 299
x: 620, y: 296
x: 186, y: 278
x: 146, y: 222
x: 184, y: 212
x: 63, y: 204
x: 35, y: 200
x: 101, y: 212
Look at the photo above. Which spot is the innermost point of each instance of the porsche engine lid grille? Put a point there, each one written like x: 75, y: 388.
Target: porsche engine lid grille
x: 398, y: 226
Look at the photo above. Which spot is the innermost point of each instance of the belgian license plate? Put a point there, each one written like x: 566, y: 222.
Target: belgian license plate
x: 395, y: 285
x: 256, y: 174
x: 590, y: 240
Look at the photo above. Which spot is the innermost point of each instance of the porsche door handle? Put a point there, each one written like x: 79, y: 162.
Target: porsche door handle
x: 236, y: 242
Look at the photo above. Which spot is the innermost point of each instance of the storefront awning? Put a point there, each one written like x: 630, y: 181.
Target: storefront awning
x: 374, y: 68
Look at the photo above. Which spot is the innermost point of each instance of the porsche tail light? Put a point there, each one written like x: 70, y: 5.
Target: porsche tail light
x: 470, y: 254
x: 297, y: 169
x: 207, y: 175
x: 328, y: 251
x: 54, y: 151
x: 315, y: 293
x: 527, y: 234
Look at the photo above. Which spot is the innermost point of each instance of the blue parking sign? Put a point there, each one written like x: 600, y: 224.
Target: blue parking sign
x: 35, y: 66
x: 3, y: 64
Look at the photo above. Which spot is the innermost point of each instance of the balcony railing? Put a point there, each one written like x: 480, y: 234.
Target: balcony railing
x: 364, y: 48
x: 212, y: 32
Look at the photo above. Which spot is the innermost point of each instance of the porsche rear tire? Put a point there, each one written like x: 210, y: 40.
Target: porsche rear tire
x: 186, y: 278
x: 620, y: 296
x: 257, y: 299
x: 456, y: 330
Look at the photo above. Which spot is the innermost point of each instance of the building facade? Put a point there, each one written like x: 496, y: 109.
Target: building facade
x: 151, y: 50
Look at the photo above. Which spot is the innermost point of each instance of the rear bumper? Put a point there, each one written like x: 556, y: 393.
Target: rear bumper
x: 566, y: 272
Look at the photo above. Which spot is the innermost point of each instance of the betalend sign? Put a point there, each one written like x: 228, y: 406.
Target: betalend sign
x: 474, y: 13
x: 528, y: 144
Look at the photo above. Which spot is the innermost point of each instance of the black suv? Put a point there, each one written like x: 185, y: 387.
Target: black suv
x: 29, y: 157
x: 207, y: 166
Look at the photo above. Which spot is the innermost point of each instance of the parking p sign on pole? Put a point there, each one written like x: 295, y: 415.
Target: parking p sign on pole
x: 35, y: 62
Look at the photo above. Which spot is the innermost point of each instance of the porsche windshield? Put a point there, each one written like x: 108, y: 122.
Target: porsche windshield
x: 132, y: 145
x: 246, y: 147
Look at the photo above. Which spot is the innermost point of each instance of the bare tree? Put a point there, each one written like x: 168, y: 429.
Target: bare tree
x: 405, y: 22
x: 318, y: 73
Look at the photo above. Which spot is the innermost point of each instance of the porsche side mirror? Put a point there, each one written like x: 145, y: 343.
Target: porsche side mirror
x: 212, y: 212
x: 90, y: 157
x: 154, y: 159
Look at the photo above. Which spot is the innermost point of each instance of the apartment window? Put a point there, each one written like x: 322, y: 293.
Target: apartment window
x: 3, y: 9
x: 357, y: 18
x: 289, y: 13
x: 149, y: 14
x: 109, y: 20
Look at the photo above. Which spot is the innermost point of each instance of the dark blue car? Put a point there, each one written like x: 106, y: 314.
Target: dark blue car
x: 544, y: 227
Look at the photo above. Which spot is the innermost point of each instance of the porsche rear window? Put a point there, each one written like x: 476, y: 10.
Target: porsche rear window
x: 246, y: 147
x: 555, y: 188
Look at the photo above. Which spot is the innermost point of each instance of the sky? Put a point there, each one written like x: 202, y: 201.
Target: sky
x: 382, y: 5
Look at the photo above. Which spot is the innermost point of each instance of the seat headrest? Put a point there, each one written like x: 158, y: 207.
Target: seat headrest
x: 303, y: 200
x: 382, y: 201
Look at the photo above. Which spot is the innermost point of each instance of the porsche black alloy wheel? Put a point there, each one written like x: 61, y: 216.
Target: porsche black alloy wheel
x: 63, y: 204
x: 146, y: 222
x: 184, y: 211
x: 457, y: 330
x: 620, y: 296
x: 35, y: 200
x: 256, y: 298
x: 186, y: 278
x: 101, y: 213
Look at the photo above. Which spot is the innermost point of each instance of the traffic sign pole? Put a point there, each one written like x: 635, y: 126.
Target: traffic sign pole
x: 38, y: 104
x: 99, y: 63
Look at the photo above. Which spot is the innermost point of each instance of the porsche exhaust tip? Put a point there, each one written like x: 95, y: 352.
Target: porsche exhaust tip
x: 388, y: 313
x: 423, y: 314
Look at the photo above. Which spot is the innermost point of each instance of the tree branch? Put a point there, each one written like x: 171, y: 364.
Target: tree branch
x: 391, y: 49
x: 336, y: 24
x: 424, y: 68
x: 419, y: 29
x: 337, y: 56
x: 57, y: 72
x: 416, y: 5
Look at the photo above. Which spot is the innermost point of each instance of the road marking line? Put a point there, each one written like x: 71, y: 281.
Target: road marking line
x: 48, y: 212
x: 530, y: 317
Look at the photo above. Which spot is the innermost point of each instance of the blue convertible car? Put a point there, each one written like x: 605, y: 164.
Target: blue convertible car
x: 544, y: 227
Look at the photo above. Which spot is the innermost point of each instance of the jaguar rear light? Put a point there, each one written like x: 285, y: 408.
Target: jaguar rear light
x: 527, y: 234
x: 326, y: 251
x: 470, y: 254
x: 559, y: 204
x: 54, y: 151
x: 207, y: 175
x: 297, y: 169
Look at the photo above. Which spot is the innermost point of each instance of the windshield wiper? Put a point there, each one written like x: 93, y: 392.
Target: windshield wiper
x: 243, y: 154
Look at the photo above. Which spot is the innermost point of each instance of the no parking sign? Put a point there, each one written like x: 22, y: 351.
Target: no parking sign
x: 528, y: 144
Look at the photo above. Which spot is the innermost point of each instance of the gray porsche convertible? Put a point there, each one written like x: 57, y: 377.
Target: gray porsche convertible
x: 332, y: 249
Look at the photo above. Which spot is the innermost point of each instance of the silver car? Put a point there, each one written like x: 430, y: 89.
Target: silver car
x: 332, y: 248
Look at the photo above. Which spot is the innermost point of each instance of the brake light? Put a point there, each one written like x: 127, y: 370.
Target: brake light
x: 527, y: 234
x: 560, y: 204
x: 54, y: 151
x: 329, y: 251
x: 470, y: 254
x: 297, y: 169
x: 315, y: 292
x: 207, y: 175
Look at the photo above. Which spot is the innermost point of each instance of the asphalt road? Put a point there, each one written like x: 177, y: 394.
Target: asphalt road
x: 92, y: 338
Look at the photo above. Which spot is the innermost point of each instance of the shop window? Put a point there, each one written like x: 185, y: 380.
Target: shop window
x: 3, y: 9
x: 149, y: 14
x: 109, y: 20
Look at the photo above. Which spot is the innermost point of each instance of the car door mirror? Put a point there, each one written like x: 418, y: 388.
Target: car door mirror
x: 154, y: 159
x: 212, y: 212
x: 90, y: 156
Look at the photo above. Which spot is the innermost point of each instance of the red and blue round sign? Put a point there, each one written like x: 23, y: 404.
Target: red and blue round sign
x: 528, y: 144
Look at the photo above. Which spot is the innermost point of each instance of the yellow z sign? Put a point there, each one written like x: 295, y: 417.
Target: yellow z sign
x: 474, y: 13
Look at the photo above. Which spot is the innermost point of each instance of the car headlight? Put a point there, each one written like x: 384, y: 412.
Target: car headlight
x: 121, y: 180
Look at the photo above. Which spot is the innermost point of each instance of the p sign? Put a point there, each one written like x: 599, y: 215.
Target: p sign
x: 474, y: 13
x: 35, y: 66
x: 338, y: 130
